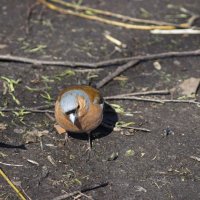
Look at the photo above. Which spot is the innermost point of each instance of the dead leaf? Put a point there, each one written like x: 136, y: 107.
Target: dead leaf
x: 32, y: 136
x: 189, y: 86
x: 3, y: 126
x: 186, y: 88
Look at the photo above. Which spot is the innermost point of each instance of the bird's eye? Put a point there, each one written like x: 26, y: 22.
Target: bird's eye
x: 98, y: 100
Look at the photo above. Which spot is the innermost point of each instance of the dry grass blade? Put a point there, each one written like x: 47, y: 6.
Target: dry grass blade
x: 116, y: 15
x: 21, y: 196
x: 104, y: 20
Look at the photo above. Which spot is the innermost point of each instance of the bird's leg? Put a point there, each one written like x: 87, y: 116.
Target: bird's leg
x: 60, y: 130
x: 66, y: 137
x: 89, y: 148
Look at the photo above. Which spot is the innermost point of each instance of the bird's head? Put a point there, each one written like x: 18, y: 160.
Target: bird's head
x: 74, y: 104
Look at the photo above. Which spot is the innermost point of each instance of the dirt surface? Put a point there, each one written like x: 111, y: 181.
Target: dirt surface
x: 143, y: 165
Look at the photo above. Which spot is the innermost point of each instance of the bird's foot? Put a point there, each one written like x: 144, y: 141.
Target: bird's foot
x: 61, y: 130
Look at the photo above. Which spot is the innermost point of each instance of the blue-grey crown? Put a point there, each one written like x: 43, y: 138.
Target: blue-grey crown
x: 69, y: 102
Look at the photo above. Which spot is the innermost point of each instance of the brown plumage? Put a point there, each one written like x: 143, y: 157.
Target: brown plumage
x: 79, y: 109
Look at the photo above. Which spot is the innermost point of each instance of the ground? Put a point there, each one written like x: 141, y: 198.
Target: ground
x: 143, y: 165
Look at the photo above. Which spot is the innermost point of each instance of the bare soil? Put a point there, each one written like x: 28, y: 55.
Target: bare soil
x: 146, y: 165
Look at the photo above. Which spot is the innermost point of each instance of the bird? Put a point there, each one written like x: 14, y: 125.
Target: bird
x: 79, y: 109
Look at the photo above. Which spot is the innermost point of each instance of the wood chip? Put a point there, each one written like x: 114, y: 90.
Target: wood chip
x: 33, y: 162
x: 195, y: 158
x: 189, y: 86
x: 3, y: 126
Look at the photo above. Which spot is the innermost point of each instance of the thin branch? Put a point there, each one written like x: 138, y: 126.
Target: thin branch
x: 104, y: 20
x: 25, y: 109
x: 111, y: 62
x: 153, y: 92
x: 67, y: 195
x: 153, y: 100
x: 111, y: 14
x: 117, y: 72
x: 128, y: 96
x: 176, y: 31
x: 96, y: 186
x: 8, y: 164
x: 138, y: 129
x: 123, y: 127
x: 20, y: 195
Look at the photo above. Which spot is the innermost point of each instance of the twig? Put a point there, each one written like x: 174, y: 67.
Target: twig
x: 111, y: 14
x: 50, y: 117
x: 153, y: 100
x: 29, y: 14
x: 96, y: 186
x: 104, y: 20
x: 195, y: 158
x: 118, y: 71
x: 133, y: 98
x: 153, y: 92
x: 26, y: 109
x: 138, y: 128
x: 106, y: 63
x: 13, y: 165
x: 176, y: 31
x: 192, y: 19
x: 65, y: 196
x: 127, y: 96
x: 12, y: 185
x: 129, y: 127
x: 82, y: 194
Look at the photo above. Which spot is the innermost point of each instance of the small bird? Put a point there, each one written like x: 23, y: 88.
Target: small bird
x: 79, y: 109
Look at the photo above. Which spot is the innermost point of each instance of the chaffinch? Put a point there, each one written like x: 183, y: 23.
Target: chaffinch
x: 79, y: 109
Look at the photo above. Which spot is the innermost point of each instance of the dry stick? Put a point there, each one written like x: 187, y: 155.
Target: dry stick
x: 65, y: 196
x: 152, y: 100
x: 128, y: 96
x: 104, y: 20
x: 29, y: 14
x: 124, y: 67
x: 118, y: 71
x: 96, y: 186
x: 116, y: 15
x: 106, y: 63
x: 25, y: 109
x: 132, y: 127
x: 153, y: 92
x: 8, y: 164
x: 21, y: 196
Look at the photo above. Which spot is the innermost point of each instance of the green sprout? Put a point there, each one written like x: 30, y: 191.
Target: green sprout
x: 21, y: 114
x: 66, y: 73
x: 38, y: 48
x: 9, y: 85
x: 122, y: 124
x: 47, y: 96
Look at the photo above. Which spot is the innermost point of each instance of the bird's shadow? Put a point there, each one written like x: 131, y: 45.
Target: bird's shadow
x: 10, y: 146
x: 110, y: 118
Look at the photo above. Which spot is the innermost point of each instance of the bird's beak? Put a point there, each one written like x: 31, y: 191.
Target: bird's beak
x: 72, y: 118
